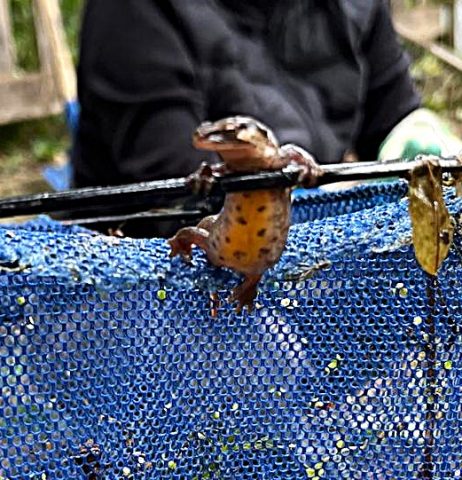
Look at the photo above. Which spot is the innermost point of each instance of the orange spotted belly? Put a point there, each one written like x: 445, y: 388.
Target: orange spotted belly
x: 251, y: 231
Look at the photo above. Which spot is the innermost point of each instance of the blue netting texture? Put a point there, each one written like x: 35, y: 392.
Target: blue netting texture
x: 116, y: 363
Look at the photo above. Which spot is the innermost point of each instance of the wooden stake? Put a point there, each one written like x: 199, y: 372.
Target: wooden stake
x: 7, y: 45
x: 55, y: 55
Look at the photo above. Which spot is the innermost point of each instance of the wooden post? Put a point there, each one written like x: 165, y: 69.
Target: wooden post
x: 457, y: 27
x: 426, y: 21
x: 7, y: 45
x: 55, y: 56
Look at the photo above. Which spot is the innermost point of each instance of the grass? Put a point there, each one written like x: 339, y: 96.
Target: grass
x: 24, y: 149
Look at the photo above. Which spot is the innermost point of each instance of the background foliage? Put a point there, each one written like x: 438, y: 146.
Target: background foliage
x: 25, y: 146
x: 23, y: 27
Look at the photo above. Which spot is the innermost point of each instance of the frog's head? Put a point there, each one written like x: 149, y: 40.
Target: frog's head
x: 244, y: 143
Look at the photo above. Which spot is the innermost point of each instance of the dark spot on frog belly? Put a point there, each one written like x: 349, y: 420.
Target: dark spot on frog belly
x: 262, y: 208
x: 261, y: 233
x: 238, y: 208
x: 263, y: 252
x: 227, y: 240
x: 238, y: 255
x: 241, y: 220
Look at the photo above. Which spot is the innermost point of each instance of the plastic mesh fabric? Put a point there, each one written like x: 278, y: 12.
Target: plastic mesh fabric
x: 340, y: 202
x: 115, y: 365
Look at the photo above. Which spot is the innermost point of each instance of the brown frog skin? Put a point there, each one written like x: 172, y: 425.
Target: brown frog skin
x: 250, y: 232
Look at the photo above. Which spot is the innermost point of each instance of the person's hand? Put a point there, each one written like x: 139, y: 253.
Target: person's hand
x: 421, y: 132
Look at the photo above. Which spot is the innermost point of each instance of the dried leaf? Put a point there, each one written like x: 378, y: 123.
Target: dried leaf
x: 432, y: 228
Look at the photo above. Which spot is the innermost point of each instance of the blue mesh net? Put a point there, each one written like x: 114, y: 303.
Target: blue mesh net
x: 116, y: 363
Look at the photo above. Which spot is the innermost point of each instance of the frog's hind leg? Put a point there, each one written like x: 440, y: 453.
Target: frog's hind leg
x: 246, y: 292
x: 185, y: 238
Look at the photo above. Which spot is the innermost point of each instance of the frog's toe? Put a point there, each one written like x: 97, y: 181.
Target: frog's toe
x: 310, y: 171
x: 242, y: 302
x: 184, y: 256
x: 180, y: 247
x: 245, y: 293
x: 201, y: 181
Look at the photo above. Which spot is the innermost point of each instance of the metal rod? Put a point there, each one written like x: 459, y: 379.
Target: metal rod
x: 390, y: 168
x: 146, y: 195
x: 154, y: 215
x: 92, y: 198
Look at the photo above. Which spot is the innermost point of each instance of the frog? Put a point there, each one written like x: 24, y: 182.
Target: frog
x: 250, y: 232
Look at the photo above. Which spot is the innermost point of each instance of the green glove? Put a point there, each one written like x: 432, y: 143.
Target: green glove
x: 421, y: 132
x: 413, y: 147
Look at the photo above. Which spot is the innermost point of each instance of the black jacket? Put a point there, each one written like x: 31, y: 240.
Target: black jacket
x: 328, y: 75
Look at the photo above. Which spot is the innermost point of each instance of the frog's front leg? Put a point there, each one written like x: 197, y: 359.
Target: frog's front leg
x: 310, y: 171
x: 246, y: 292
x: 181, y: 243
x: 201, y: 181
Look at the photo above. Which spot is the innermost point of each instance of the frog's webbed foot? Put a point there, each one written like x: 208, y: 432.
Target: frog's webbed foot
x: 309, y: 169
x: 201, y: 181
x: 185, y: 238
x: 245, y: 293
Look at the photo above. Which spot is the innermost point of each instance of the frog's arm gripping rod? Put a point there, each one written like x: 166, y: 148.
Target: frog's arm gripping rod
x: 174, y: 198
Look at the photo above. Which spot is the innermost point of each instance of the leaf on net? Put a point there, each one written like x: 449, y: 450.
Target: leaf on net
x: 432, y: 227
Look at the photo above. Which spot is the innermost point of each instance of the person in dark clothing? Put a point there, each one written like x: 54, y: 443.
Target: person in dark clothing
x: 329, y: 76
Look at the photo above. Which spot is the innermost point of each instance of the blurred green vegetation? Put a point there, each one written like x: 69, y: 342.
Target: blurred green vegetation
x: 25, y: 144
x: 439, y: 85
x: 24, y: 33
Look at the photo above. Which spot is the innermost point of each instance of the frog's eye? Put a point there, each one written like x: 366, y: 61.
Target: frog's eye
x: 264, y: 132
x: 244, y: 135
x: 250, y: 127
x: 245, y: 127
